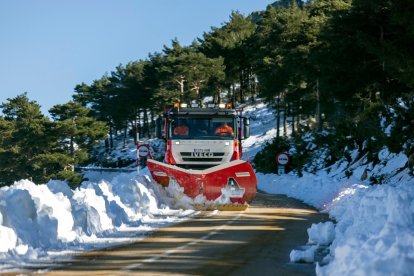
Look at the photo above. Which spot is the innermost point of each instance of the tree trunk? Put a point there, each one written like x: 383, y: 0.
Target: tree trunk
x: 241, y: 92
x: 181, y: 84
x: 106, y: 144
x: 139, y: 128
x: 298, y: 116
x: 72, y: 147
x: 111, y: 137
x: 125, y: 134
x: 278, y: 117
x: 152, y: 124
x: 253, y: 86
x: 318, y: 107
x: 292, y: 117
x: 134, y: 131
x: 146, y: 125
x: 382, y: 93
x: 285, y: 121
x: 233, y: 91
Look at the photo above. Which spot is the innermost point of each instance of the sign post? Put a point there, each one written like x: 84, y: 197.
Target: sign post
x: 282, y: 160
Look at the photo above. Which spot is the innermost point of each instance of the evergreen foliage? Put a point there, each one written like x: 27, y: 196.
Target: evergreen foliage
x: 29, y: 135
x: 79, y: 131
x: 230, y: 42
x: 34, y: 147
x: 340, y: 60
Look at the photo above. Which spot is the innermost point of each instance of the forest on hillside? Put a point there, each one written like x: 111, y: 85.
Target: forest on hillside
x: 339, y: 68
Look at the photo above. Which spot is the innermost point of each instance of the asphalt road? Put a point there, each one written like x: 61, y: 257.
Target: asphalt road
x: 252, y: 242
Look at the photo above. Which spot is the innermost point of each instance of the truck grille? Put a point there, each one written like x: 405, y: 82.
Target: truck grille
x: 202, y: 157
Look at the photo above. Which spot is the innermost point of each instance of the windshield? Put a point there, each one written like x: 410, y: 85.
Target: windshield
x: 215, y: 128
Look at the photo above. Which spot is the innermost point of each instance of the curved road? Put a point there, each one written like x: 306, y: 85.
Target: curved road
x: 252, y: 242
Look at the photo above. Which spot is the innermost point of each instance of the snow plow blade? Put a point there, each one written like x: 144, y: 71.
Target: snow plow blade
x: 235, y: 180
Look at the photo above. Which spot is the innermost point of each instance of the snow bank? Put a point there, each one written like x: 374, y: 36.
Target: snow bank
x: 307, y: 255
x: 321, y: 233
x: 36, y: 220
x: 316, y: 190
x: 37, y: 216
x: 374, y: 229
x: 374, y: 234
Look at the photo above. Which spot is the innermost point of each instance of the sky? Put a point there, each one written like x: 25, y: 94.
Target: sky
x: 47, y: 47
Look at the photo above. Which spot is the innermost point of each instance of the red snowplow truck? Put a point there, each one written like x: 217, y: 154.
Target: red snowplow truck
x: 203, y: 155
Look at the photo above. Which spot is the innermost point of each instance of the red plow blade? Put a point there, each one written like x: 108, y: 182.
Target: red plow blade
x: 235, y: 180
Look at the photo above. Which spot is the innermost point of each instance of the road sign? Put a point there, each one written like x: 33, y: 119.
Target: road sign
x: 281, y: 169
x: 282, y: 159
x: 143, y: 151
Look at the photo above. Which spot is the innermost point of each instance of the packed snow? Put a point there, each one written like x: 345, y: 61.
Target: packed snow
x: 48, y: 221
x: 371, y: 231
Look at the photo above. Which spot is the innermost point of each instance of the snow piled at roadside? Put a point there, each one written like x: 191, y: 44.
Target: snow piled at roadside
x: 373, y: 232
x: 42, y: 222
x: 315, y: 190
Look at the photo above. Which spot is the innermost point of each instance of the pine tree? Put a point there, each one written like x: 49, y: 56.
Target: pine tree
x: 187, y: 72
x: 230, y: 43
x: 78, y: 132
x: 29, y: 141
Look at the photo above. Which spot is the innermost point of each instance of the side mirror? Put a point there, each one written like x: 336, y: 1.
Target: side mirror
x: 246, y: 130
x: 158, y: 125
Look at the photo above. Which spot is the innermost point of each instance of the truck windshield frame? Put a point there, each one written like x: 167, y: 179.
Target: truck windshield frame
x: 201, y: 128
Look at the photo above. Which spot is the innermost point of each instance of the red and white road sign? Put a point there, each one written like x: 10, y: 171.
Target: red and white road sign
x: 143, y: 151
x: 282, y: 159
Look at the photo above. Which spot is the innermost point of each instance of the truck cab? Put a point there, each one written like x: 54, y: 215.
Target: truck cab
x: 199, y: 138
